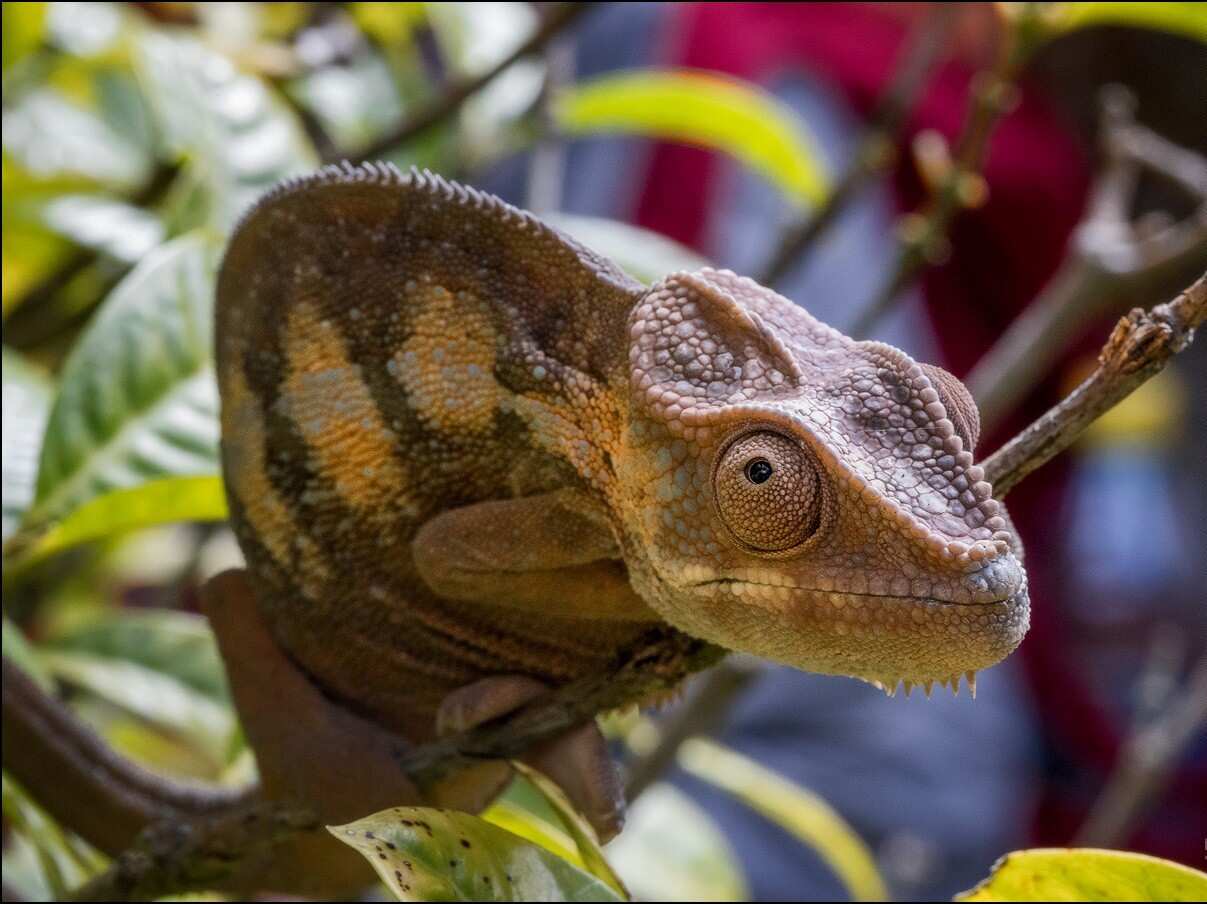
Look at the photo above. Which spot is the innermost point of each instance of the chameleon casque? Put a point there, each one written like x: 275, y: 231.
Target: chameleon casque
x: 468, y: 459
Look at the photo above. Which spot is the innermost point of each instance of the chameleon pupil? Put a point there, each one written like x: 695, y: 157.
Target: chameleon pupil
x: 759, y: 471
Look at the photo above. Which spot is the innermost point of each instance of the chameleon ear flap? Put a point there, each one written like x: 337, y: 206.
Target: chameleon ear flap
x: 695, y: 350
x: 961, y: 409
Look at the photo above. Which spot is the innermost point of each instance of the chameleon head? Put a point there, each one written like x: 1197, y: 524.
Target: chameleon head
x: 809, y: 498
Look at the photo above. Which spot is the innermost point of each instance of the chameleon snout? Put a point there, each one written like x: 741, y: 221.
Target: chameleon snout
x: 996, y: 581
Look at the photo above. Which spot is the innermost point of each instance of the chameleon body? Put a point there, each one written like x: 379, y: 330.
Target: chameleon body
x: 457, y: 444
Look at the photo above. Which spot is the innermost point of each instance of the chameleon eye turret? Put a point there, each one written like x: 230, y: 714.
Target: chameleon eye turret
x: 768, y: 492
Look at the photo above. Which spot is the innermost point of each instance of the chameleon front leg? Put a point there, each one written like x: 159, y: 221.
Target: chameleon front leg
x: 550, y: 554
x: 577, y: 760
x: 312, y: 751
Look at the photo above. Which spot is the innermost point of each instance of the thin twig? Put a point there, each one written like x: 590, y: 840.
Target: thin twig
x: 171, y: 857
x: 875, y: 148
x: 1140, y: 345
x: 1145, y: 763
x: 441, y: 108
x: 547, y: 162
x: 655, y: 668
x: 1110, y: 264
x: 991, y: 94
x: 701, y: 713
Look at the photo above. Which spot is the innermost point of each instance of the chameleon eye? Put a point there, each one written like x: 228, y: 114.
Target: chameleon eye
x: 759, y: 471
x: 768, y: 491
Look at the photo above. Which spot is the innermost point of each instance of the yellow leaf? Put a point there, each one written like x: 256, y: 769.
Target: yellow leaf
x: 1086, y: 874
x: 704, y: 109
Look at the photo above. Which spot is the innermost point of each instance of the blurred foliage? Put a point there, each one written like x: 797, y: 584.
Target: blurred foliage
x: 705, y: 109
x: 1085, y: 874
x: 1189, y: 19
x: 134, y: 137
x: 672, y: 850
x: 797, y: 810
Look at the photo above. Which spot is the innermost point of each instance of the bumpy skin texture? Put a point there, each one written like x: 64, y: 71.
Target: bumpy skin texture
x: 457, y: 445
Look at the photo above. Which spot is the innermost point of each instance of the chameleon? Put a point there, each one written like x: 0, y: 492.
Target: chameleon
x: 458, y: 445
x: 468, y: 459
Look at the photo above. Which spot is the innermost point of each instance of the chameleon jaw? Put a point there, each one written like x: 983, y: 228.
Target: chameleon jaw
x: 887, y: 641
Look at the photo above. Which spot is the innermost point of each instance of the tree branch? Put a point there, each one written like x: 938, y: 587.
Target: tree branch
x: 1145, y: 764
x: 217, y: 841
x: 441, y: 108
x: 702, y: 713
x: 657, y: 666
x: 875, y: 148
x: 1140, y: 345
x: 170, y: 856
x: 1111, y: 260
x: 992, y: 93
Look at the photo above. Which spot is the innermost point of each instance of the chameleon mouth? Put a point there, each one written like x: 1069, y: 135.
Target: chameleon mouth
x: 737, y: 586
x: 884, y: 639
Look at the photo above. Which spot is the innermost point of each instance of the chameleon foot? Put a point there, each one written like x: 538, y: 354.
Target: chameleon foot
x: 577, y: 760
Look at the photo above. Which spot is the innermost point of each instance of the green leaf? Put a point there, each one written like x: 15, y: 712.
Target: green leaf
x: 507, y: 814
x: 1187, y: 19
x: 52, y: 136
x: 1086, y: 874
x: 120, y: 230
x: 31, y: 250
x: 155, y: 502
x: 156, y: 697
x: 26, y: 403
x: 705, y: 109
x: 22, y: 32
x: 423, y: 854
x: 18, y: 651
x: 137, y: 399
x: 580, y: 830
x: 230, y: 126
x: 671, y: 850
x: 62, y: 861
x: 645, y: 255
x: 356, y: 101
x: 177, y: 644
x: 795, y: 809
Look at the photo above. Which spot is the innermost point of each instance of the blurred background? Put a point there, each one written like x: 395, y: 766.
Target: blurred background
x: 918, y: 173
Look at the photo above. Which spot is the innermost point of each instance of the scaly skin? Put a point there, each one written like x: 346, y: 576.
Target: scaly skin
x: 395, y: 347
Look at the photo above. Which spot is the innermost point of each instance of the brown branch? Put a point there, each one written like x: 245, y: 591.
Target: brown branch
x: 703, y: 712
x: 1140, y: 346
x: 1144, y: 766
x: 992, y: 93
x: 171, y: 857
x: 1111, y: 262
x: 441, y: 108
x: 656, y: 667
x: 875, y: 148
